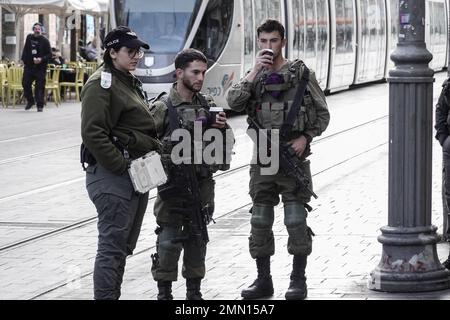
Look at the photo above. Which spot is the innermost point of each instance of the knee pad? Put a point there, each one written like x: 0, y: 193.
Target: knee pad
x: 262, y: 217
x: 168, y: 252
x: 294, y: 214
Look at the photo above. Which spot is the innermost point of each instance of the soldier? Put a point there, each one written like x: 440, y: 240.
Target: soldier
x: 267, y: 93
x: 442, y: 135
x: 116, y: 127
x: 173, y: 207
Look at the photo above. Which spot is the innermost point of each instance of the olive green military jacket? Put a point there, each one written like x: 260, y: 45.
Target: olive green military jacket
x: 121, y: 111
x: 246, y: 95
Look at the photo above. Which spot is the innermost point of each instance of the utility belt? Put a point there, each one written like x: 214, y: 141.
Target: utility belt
x: 145, y: 172
x: 87, y: 157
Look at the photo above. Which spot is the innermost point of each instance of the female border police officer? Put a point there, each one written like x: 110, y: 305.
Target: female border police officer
x: 116, y: 127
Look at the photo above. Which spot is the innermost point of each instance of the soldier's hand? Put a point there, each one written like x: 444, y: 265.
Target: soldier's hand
x: 298, y: 145
x: 37, y: 60
x: 263, y: 60
x: 221, y: 120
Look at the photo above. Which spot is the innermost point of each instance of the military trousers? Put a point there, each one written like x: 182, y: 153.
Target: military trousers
x: 120, y: 214
x: 174, y: 227
x: 265, y: 191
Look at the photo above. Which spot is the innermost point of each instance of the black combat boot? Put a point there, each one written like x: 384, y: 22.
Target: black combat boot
x: 165, y: 290
x: 297, y: 288
x: 193, y: 289
x: 262, y: 286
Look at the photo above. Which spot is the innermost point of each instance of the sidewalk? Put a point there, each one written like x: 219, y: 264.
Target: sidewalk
x: 345, y: 247
x: 350, y: 177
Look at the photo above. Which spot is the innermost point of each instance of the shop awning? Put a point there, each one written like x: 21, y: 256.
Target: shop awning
x: 55, y: 6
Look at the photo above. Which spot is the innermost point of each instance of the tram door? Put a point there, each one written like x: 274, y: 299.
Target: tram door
x: 392, y: 22
x: 371, y: 49
x: 249, y: 36
x: 309, y: 35
x: 436, y: 32
x: 343, y: 43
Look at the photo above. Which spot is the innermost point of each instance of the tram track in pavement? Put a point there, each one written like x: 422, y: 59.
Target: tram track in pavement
x: 149, y: 248
x: 86, y: 221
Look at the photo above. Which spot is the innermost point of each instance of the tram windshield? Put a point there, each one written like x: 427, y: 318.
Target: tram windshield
x: 163, y: 24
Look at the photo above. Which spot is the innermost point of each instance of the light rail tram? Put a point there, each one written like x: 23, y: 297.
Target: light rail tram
x: 346, y: 42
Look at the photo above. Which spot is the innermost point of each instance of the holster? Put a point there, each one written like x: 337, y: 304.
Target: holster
x: 86, y: 156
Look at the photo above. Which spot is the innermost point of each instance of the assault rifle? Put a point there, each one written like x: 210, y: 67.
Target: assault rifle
x: 183, y: 184
x: 289, y: 162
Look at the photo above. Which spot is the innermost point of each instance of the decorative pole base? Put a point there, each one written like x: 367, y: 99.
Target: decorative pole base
x: 409, y: 261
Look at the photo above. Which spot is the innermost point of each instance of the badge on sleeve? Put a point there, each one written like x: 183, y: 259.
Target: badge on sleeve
x: 105, y: 80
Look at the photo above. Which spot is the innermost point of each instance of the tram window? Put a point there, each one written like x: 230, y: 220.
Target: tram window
x: 344, y: 25
x: 340, y: 26
x: 394, y: 25
x: 310, y: 29
x: 299, y: 27
x: 322, y: 11
x: 214, y: 29
x: 165, y: 25
x: 267, y: 9
x: 249, y: 31
x: 322, y: 42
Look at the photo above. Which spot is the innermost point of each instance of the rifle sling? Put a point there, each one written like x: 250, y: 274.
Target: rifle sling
x: 298, y: 99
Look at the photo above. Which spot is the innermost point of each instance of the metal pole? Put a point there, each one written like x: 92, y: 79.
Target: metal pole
x: 448, y: 40
x: 1, y: 32
x: 409, y: 261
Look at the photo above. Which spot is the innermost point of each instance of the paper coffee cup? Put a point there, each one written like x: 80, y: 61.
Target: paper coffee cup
x: 267, y: 51
x: 213, y: 112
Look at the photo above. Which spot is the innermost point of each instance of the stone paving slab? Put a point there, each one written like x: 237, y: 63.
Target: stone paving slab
x: 346, y: 218
x: 340, y: 263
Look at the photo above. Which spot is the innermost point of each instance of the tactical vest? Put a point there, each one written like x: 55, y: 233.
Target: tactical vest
x: 272, y: 112
x: 187, y: 115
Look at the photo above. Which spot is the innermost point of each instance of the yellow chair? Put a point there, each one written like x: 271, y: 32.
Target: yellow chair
x: 73, y: 64
x: 90, y: 67
x: 15, y: 75
x: 52, y: 83
x: 3, y: 82
x: 77, y: 84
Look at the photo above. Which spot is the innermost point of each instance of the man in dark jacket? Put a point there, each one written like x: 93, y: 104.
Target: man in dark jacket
x: 35, y: 56
x: 442, y: 135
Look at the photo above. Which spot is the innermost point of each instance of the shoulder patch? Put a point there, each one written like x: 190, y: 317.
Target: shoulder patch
x: 105, y: 80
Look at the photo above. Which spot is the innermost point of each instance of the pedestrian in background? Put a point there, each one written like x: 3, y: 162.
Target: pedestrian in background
x: 56, y: 58
x: 116, y: 127
x: 267, y: 94
x: 35, y: 56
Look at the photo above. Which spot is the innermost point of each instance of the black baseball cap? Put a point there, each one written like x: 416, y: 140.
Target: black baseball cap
x: 123, y: 37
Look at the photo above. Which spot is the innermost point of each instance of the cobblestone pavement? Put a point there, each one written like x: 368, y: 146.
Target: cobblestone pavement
x: 43, y: 190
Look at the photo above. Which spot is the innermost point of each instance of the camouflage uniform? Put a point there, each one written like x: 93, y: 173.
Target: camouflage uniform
x: 171, y: 222
x: 270, y: 105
